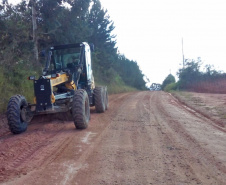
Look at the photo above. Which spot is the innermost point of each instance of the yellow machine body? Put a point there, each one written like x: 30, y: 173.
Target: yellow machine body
x: 59, y: 79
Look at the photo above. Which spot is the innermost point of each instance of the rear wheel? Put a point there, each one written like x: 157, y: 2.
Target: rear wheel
x: 81, y: 109
x: 15, y: 114
x: 99, y: 98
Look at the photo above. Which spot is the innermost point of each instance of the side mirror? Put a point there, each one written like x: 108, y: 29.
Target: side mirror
x: 91, y: 45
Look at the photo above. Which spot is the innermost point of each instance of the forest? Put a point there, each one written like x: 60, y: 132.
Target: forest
x: 31, y: 26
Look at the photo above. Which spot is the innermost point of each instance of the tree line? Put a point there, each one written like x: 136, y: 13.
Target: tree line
x: 34, y: 25
x: 193, y: 78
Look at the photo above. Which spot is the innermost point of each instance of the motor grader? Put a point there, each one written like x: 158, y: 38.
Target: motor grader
x: 66, y: 85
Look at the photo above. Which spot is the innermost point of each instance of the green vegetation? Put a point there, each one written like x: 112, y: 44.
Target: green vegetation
x: 79, y: 21
x: 171, y: 87
x: 192, y: 78
x: 168, y: 80
x: 14, y: 81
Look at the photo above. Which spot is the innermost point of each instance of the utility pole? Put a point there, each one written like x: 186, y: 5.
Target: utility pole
x: 183, y: 52
x: 34, y: 23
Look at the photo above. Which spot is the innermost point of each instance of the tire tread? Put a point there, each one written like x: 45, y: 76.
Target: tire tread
x: 16, y: 125
x: 99, y: 99
x: 78, y: 109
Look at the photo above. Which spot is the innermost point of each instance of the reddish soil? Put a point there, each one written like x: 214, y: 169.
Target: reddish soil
x: 144, y: 138
x: 210, y: 86
x: 209, y: 105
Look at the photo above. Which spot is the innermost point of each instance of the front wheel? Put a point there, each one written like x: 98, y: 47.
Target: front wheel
x: 81, y: 109
x: 15, y: 114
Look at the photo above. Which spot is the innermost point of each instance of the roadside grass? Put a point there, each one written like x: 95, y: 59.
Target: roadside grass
x: 221, y: 113
x: 114, y: 88
x: 223, y: 116
x: 184, y: 96
x: 15, y: 82
x: 197, y: 101
x: 115, y: 84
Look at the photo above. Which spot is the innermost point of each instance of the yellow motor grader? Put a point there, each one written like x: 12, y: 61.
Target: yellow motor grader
x: 67, y: 84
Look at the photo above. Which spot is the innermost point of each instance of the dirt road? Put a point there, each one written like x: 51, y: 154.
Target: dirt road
x: 144, y: 138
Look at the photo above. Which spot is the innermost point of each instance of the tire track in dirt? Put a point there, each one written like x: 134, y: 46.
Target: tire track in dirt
x: 144, y: 138
x: 17, y: 152
x: 44, y: 143
x: 198, y: 157
x: 145, y: 145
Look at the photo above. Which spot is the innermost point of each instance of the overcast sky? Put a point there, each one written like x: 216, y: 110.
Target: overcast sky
x: 151, y: 31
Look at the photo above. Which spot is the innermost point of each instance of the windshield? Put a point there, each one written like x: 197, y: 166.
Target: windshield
x: 64, y: 59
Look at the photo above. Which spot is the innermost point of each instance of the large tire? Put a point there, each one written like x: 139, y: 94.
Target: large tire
x: 106, y: 99
x: 99, y: 99
x: 81, y: 109
x: 14, y: 110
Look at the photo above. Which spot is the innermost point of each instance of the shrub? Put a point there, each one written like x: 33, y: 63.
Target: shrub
x: 168, y: 80
x: 170, y: 87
